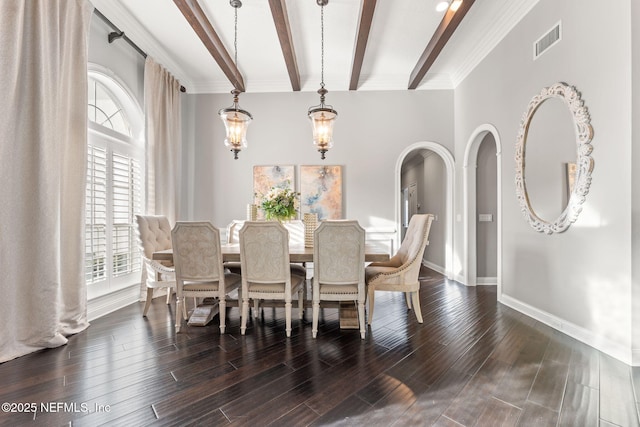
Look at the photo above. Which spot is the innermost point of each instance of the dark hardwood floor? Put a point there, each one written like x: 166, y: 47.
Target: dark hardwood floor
x: 473, y: 362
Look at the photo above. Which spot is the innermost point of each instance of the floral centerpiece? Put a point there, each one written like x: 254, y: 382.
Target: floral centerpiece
x: 280, y: 204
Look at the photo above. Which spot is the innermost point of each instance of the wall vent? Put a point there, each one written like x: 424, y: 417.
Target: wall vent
x: 545, y: 42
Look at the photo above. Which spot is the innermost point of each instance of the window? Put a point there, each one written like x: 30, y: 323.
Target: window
x: 105, y: 110
x: 114, y: 190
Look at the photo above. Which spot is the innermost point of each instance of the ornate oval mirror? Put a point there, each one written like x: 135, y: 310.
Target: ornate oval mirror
x: 550, y: 177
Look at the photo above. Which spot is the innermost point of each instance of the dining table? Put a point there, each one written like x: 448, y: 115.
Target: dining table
x: 375, y: 251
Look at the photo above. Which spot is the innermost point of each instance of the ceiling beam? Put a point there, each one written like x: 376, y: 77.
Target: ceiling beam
x: 200, y: 23
x: 364, y: 26
x: 438, y: 41
x: 281, y: 20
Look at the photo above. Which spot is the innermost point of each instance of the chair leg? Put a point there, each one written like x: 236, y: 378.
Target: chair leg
x: 301, y: 303
x: 316, y: 314
x: 147, y: 304
x: 372, y: 292
x: 243, y: 314
x: 179, y: 303
x: 169, y: 293
x: 184, y: 308
x: 361, y: 318
x: 407, y: 297
x: 256, y: 307
x: 287, y: 314
x: 222, y: 305
x: 416, y: 305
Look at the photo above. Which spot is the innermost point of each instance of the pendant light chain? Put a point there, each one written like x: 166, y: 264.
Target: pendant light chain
x: 322, y: 46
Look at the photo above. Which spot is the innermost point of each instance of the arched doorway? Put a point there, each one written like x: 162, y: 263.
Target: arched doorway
x: 447, y: 158
x: 470, y: 204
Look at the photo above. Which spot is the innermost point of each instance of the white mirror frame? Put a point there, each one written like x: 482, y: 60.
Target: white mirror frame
x: 584, y: 163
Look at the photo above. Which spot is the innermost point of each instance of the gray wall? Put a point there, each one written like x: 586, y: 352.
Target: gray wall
x: 580, y: 280
x: 487, y: 203
x: 371, y: 131
x: 428, y: 171
x: 434, y: 202
x: 125, y: 62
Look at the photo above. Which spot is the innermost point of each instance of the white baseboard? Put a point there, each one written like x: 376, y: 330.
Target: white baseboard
x: 105, y: 304
x: 434, y: 267
x: 487, y: 281
x: 601, y: 343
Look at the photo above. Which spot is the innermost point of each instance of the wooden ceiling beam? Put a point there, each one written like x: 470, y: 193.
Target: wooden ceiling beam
x: 281, y: 20
x: 364, y: 27
x: 200, y: 23
x: 438, y: 41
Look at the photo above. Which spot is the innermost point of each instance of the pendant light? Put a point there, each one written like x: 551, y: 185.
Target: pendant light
x: 236, y: 120
x: 322, y: 116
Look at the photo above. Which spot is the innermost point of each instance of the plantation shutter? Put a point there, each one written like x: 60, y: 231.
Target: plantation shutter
x: 96, y: 215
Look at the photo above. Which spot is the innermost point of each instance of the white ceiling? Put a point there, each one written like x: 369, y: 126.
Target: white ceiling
x: 399, y: 34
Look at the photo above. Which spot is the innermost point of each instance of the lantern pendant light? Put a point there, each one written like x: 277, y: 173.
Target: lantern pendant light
x: 236, y: 120
x: 322, y: 116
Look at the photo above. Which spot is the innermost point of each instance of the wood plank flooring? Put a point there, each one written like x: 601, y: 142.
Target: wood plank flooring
x: 473, y: 362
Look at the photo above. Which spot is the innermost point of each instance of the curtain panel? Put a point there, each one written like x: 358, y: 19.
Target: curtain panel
x: 43, y: 139
x: 164, y: 140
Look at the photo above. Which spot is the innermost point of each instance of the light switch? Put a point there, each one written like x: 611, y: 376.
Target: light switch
x: 485, y: 218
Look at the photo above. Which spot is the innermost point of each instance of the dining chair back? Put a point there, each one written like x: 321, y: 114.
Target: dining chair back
x: 266, y: 270
x: 338, y: 261
x: 401, y: 272
x: 154, y: 234
x: 199, y: 271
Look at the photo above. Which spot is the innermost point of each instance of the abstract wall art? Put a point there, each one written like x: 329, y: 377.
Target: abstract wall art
x: 321, y: 191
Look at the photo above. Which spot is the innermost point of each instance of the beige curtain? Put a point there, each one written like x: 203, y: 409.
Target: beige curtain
x: 43, y: 139
x: 164, y: 140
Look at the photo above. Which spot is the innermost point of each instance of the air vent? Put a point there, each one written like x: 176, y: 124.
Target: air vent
x: 545, y: 42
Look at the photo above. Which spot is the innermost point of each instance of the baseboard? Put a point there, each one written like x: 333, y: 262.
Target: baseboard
x: 434, y: 267
x: 105, y: 304
x: 598, y: 342
x: 487, y: 281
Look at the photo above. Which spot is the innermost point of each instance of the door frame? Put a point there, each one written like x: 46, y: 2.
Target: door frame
x: 449, y: 164
x: 470, y: 204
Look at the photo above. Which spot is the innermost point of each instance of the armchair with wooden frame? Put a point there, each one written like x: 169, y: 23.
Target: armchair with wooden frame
x: 401, y: 272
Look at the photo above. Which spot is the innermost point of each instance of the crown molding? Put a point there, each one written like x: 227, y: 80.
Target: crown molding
x: 123, y: 19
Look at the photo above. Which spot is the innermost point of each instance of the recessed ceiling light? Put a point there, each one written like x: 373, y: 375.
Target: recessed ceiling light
x: 442, y: 6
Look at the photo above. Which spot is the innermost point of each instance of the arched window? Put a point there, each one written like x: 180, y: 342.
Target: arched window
x: 114, y: 192
x: 105, y: 109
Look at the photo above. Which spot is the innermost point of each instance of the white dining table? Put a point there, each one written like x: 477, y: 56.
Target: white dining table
x: 374, y: 252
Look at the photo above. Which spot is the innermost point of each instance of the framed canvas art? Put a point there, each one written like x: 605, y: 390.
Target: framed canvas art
x: 266, y: 177
x: 321, y: 191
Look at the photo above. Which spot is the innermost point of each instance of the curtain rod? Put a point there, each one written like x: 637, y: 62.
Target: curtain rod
x: 120, y: 34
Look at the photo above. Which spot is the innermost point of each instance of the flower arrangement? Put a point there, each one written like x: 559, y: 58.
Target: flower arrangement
x: 280, y: 203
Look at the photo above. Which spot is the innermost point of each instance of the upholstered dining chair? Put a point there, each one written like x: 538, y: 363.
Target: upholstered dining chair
x: 338, y: 267
x: 154, y: 234
x: 197, y: 256
x: 296, y: 237
x: 266, y: 270
x: 233, y: 238
x: 401, y: 272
